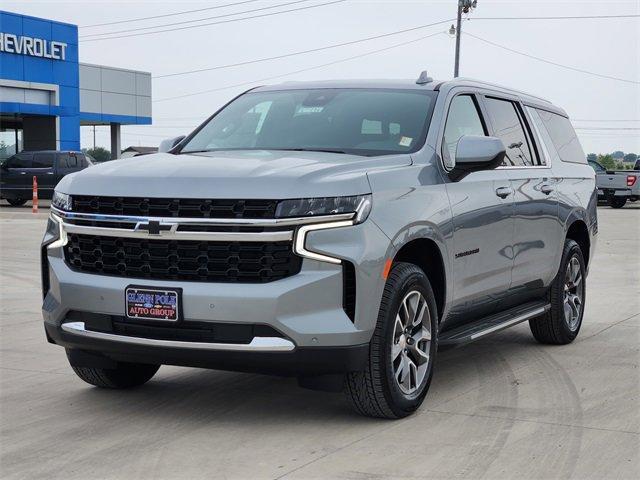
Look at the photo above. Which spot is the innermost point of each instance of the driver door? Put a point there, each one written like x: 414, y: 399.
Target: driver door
x: 482, y: 207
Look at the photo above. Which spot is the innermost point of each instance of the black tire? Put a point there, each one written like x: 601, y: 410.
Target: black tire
x: 374, y: 391
x: 16, y: 202
x: 552, y: 327
x: 617, y: 202
x: 125, y: 375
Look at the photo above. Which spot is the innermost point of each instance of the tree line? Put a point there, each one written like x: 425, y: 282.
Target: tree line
x: 617, y: 160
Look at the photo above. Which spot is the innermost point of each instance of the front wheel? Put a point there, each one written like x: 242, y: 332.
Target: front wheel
x: 402, y: 350
x: 617, y: 202
x: 125, y: 375
x: 16, y: 202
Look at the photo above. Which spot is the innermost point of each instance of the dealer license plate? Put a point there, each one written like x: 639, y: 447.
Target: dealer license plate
x: 144, y: 303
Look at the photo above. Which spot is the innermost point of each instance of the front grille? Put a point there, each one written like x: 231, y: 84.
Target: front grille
x: 174, y: 207
x: 200, y: 261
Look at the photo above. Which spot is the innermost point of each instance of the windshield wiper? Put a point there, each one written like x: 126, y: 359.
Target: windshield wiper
x: 200, y: 151
x: 327, y: 150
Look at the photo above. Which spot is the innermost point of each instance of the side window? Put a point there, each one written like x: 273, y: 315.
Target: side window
x: 548, y: 148
x: 72, y: 160
x: 43, y: 160
x: 463, y: 119
x: 21, y: 160
x: 563, y: 137
x: 508, y: 127
x: 82, y: 161
x: 63, y: 160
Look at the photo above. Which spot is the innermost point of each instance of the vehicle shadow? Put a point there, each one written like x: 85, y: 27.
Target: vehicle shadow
x: 200, y: 396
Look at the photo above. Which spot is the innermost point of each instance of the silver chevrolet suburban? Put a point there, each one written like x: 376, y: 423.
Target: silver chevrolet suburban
x: 339, y: 232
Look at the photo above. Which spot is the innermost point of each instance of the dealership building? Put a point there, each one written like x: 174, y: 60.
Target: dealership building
x: 46, y: 94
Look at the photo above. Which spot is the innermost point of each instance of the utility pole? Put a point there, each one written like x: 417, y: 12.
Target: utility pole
x: 464, y: 6
x: 94, y: 138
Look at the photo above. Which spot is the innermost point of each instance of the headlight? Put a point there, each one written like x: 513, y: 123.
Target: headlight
x: 306, y: 207
x: 61, y: 201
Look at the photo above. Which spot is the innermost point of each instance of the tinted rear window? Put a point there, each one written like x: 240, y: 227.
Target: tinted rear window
x: 43, y: 160
x: 563, y: 137
x: 21, y: 160
x: 508, y: 127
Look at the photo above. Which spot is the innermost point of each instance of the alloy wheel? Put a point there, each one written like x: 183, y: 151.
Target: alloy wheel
x: 411, y: 343
x: 573, y: 293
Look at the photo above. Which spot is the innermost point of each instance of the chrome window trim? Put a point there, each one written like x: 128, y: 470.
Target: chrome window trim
x: 258, y: 344
x: 252, y: 222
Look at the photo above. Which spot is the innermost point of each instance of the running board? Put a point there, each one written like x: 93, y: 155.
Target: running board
x: 491, y: 324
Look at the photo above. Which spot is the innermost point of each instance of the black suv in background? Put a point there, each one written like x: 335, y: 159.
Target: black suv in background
x: 48, y: 166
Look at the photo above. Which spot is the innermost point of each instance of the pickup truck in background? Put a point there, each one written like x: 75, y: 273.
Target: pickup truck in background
x: 48, y: 166
x: 617, y: 187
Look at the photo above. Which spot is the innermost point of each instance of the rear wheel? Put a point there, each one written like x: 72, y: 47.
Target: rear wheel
x: 402, y: 350
x: 561, y: 324
x: 16, y: 202
x: 617, y: 202
x: 125, y: 375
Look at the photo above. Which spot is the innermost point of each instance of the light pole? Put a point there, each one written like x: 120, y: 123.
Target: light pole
x: 464, y: 6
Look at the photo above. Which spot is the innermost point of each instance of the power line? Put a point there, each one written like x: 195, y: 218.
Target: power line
x: 302, y: 52
x: 219, y: 22
x: 634, y: 82
x: 202, y: 92
x: 140, y: 29
x: 183, y: 12
x: 571, y: 17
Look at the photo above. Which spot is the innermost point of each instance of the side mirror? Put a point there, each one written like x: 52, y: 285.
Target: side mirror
x: 474, y: 153
x: 168, y: 144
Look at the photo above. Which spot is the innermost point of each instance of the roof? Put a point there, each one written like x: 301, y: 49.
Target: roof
x: 407, y: 84
x: 355, y: 83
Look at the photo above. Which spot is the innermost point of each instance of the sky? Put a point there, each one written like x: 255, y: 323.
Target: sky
x: 605, y: 112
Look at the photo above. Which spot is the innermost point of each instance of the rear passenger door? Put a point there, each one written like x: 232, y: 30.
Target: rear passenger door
x: 537, y: 231
x: 482, y: 216
x: 43, y: 169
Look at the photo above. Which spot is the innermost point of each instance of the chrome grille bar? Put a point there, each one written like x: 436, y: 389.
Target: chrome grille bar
x: 222, y: 222
x: 174, y: 234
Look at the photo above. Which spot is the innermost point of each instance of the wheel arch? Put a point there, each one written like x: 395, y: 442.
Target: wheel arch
x: 426, y: 254
x: 578, y: 231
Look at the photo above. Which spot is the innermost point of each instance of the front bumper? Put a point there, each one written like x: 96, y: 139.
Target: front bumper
x: 317, y: 336
x: 605, y: 193
x: 274, y: 359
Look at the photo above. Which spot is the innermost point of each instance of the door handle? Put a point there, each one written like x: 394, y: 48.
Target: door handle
x: 49, y: 173
x: 546, y: 189
x: 23, y: 173
x: 504, y: 192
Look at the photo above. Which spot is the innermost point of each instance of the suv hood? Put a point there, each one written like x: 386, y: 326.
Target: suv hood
x: 231, y: 174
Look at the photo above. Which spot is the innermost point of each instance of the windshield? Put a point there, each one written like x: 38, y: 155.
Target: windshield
x: 354, y: 121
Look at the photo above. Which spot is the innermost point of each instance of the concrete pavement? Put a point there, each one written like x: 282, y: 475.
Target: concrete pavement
x: 504, y: 407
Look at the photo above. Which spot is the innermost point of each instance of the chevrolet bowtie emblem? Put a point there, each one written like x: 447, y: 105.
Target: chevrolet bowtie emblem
x: 154, y: 227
